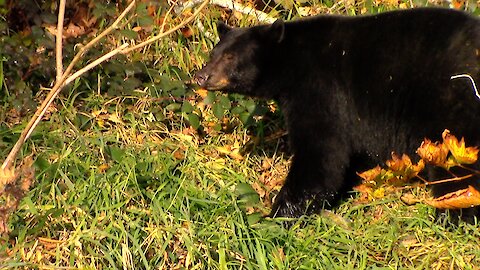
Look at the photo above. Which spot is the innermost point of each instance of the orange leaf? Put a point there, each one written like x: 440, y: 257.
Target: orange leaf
x: 202, y: 92
x: 433, y: 153
x: 462, y: 154
x: 371, y: 176
x: 365, y: 192
x: 464, y: 198
x: 404, y: 167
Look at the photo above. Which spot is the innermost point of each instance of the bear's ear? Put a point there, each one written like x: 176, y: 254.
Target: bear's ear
x: 222, y: 29
x: 277, y: 30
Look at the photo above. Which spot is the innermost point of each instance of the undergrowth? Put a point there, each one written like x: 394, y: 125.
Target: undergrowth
x: 127, y: 178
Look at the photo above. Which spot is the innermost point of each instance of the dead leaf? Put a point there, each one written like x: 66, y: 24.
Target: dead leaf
x: 13, y: 186
x: 179, y: 154
x: 202, y: 92
x: 73, y: 31
x: 7, y: 176
x: 379, y: 193
x: 186, y: 32
x: 371, y: 176
x: 365, y: 193
x: 464, y: 198
x: 461, y: 153
x: 233, y: 152
x: 433, y: 153
x: 403, y: 167
x: 409, y: 199
x: 103, y: 168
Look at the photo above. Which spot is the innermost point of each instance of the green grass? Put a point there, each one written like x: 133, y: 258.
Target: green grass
x: 124, y: 182
x: 109, y: 198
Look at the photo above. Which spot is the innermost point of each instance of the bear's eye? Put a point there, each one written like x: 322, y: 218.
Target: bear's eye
x: 228, y: 57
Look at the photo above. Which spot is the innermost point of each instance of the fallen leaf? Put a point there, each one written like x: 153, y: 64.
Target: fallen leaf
x: 179, y: 154
x: 103, y: 168
x: 365, y: 193
x: 409, y: 199
x: 233, y: 152
x: 13, y: 186
x: 202, y: 92
x: 7, y: 176
x: 186, y: 32
x: 379, y: 193
x: 464, y: 198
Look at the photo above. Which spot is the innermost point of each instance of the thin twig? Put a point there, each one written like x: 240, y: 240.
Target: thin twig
x: 161, y: 35
x: 59, y: 39
x: 423, y: 179
x: 90, y: 44
x: 166, y: 16
x: 95, y: 63
x: 454, y: 179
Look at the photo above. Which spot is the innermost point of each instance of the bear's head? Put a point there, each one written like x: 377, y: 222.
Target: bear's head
x: 238, y: 63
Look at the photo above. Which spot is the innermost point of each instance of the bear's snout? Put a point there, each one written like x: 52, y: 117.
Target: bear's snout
x: 201, y: 78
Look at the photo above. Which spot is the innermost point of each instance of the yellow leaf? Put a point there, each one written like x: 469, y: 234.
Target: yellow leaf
x: 114, y: 118
x: 464, y: 198
x: 365, y: 192
x: 379, y: 193
x: 103, y: 167
x: 202, y: 92
x: 462, y: 154
x: 233, y: 153
x: 7, y: 176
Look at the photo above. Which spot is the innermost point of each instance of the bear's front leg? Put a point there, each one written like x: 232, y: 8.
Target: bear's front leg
x: 313, y: 183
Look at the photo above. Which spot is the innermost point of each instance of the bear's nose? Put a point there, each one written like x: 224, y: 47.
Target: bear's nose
x: 201, y: 78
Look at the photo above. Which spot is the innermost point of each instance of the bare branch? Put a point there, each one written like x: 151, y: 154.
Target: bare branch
x: 59, y: 39
x: 95, y: 63
x: 56, y: 89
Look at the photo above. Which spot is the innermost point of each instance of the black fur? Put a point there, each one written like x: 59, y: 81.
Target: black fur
x: 354, y: 89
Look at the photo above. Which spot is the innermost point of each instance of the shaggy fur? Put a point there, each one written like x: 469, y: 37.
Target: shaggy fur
x: 354, y: 89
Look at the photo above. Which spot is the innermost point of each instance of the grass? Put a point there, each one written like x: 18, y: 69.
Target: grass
x: 124, y: 182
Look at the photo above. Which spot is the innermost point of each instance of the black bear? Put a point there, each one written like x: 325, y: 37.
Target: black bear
x: 354, y: 89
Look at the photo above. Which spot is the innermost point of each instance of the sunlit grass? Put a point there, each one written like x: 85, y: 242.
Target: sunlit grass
x: 124, y: 182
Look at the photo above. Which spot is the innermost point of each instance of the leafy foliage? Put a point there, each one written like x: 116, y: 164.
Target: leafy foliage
x: 450, y: 153
x: 131, y: 170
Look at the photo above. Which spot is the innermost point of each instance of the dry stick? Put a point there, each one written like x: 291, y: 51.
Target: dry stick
x: 157, y: 37
x: 459, y: 178
x: 165, y: 17
x: 59, y: 39
x: 95, y: 63
x: 56, y: 89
